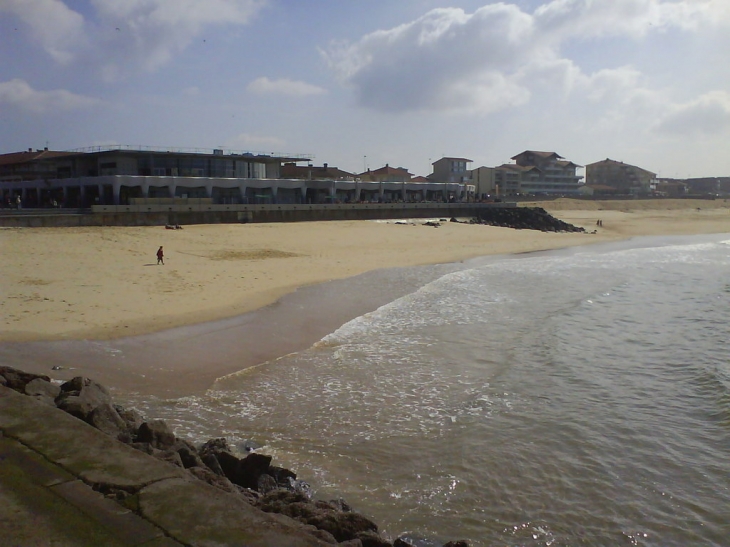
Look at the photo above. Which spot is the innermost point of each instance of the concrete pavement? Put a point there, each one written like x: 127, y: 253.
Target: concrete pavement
x: 53, y: 468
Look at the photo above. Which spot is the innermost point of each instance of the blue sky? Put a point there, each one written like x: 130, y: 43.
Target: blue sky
x: 362, y: 83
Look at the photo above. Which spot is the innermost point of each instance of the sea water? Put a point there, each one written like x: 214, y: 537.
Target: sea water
x: 572, y: 398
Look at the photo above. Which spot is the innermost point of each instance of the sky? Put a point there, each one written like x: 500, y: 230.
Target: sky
x: 359, y: 84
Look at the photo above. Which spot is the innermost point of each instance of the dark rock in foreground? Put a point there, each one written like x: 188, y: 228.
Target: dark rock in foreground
x: 267, y: 487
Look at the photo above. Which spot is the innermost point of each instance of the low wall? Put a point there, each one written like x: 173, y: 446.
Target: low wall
x: 159, y: 214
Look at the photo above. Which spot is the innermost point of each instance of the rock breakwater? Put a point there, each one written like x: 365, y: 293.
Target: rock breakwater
x: 524, y: 218
x: 251, y: 478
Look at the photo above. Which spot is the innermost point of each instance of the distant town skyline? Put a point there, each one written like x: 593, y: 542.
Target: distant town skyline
x: 363, y: 84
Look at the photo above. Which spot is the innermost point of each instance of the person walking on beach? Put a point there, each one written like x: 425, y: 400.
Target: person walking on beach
x: 160, y: 256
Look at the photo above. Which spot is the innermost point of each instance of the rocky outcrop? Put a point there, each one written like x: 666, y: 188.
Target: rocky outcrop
x: 524, y: 218
x: 267, y: 487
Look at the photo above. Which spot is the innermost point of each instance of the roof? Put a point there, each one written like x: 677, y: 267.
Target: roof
x: 566, y: 163
x: 609, y: 161
x: 515, y: 167
x: 289, y: 170
x: 386, y: 170
x: 537, y: 153
x: 452, y: 159
x: 30, y: 155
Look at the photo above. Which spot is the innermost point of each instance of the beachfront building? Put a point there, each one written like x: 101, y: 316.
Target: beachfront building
x: 670, y: 188
x: 546, y: 173
x: 120, y: 175
x: 115, y: 174
x: 449, y: 169
x: 386, y: 174
x: 291, y: 170
x: 385, y: 185
x: 622, y: 177
x: 483, y: 179
x: 708, y: 185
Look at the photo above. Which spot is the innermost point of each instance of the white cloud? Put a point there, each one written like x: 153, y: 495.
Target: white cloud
x: 635, y: 18
x: 56, y: 27
x: 122, y: 35
x: 150, y: 32
x: 444, y: 60
x: 18, y: 94
x: 500, y: 56
x: 708, y: 114
x: 265, y: 86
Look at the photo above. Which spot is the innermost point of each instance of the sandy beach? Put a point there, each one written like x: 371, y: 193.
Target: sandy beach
x: 94, y: 302
x: 104, y: 283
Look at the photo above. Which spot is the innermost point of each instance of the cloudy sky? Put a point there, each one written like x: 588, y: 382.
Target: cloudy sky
x: 362, y: 83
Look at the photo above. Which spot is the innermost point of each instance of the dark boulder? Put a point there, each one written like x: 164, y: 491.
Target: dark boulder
x: 206, y: 475
x: 266, y: 484
x: 42, y: 390
x: 157, y: 433
x: 212, y: 463
x: 228, y: 463
x: 169, y: 456
x: 283, y: 477
x: 372, y: 539
x: 131, y: 417
x: 17, y: 379
x: 250, y: 468
x: 343, y: 525
x: 106, y: 418
x: 214, y: 446
x: 188, y: 454
x: 80, y: 396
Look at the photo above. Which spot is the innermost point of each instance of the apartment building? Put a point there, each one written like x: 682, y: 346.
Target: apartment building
x: 622, y: 177
x: 449, y: 169
x: 546, y: 173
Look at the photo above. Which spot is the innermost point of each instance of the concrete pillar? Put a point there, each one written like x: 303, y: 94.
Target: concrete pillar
x: 145, y: 190
x: 82, y: 195
x: 242, y: 192
x: 115, y: 190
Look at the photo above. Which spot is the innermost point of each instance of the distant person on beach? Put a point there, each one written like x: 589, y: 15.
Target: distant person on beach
x: 160, y: 256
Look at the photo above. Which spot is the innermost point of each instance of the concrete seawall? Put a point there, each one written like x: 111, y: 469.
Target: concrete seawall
x: 153, y: 214
x: 52, y: 466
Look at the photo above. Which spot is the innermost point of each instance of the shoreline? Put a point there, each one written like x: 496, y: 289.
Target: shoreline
x: 103, y: 283
x: 333, y: 284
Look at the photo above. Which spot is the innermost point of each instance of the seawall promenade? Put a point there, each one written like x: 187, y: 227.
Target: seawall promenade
x: 191, y: 211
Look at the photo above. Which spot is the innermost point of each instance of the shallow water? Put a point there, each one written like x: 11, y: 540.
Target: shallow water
x: 571, y: 398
